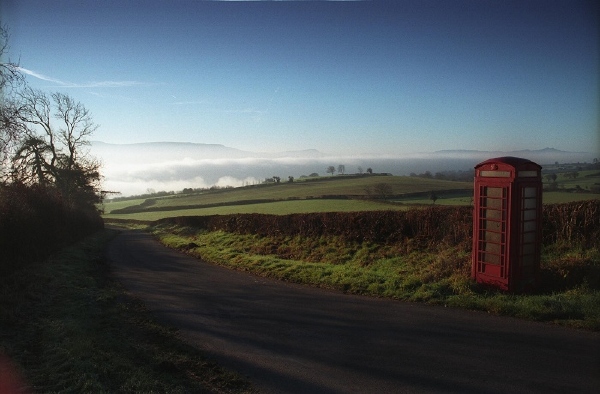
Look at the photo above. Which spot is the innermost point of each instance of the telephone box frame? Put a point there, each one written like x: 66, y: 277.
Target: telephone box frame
x: 507, y: 221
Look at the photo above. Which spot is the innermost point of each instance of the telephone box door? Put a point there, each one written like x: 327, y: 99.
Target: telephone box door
x: 491, y: 256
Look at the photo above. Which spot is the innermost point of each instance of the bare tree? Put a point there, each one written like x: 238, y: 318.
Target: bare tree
x: 11, y: 127
x: 331, y: 170
x: 383, y: 189
x: 341, y: 169
x: 30, y: 162
x: 77, y: 126
x: 9, y: 71
x: 53, y: 150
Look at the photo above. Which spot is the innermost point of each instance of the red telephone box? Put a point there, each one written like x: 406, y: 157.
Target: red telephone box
x: 507, y: 223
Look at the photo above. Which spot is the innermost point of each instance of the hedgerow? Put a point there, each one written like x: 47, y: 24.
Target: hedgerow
x: 571, y: 223
x: 36, y: 221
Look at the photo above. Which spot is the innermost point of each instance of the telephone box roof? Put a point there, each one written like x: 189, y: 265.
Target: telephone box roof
x: 516, y: 162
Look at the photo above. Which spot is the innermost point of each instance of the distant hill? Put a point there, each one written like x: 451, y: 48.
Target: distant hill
x: 541, y: 156
x: 511, y: 153
x: 168, y: 150
x: 134, y: 168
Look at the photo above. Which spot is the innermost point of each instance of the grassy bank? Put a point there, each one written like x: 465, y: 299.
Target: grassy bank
x: 570, y: 293
x: 68, y: 326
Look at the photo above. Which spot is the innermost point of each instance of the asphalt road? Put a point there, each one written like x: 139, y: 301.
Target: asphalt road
x: 292, y: 339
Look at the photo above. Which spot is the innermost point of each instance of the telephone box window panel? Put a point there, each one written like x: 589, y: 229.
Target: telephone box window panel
x: 501, y: 174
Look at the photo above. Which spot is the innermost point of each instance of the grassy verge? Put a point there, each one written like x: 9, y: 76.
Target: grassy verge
x: 69, y: 327
x: 570, y: 295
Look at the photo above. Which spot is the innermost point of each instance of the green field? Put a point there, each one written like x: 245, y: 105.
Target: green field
x: 273, y: 208
x: 552, y: 197
x: 327, y: 194
x: 339, y: 194
x: 112, y: 205
x: 585, y: 179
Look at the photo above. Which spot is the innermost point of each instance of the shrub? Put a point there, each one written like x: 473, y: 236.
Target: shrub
x: 573, y: 223
x: 36, y: 221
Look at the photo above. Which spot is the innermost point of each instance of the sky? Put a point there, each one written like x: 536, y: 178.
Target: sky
x: 344, y: 77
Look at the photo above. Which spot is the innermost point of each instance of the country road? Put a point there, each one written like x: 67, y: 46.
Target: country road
x: 288, y: 338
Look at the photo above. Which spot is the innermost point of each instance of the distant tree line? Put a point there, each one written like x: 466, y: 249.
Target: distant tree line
x: 450, y: 175
x: 341, y: 170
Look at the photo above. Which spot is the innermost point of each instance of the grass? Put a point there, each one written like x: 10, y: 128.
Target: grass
x: 324, y: 186
x: 109, y: 206
x: 552, y: 197
x: 69, y: 327
x: 307, y: 196
x: 276, y: 208
x: 559, y: 197
x: 571, y: 295
x: 303, y: 190
x: 440, y: 201
x: 585, y: 179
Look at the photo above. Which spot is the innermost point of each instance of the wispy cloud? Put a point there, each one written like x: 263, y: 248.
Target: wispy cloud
x: 40, y: 76
x: 98, y: 84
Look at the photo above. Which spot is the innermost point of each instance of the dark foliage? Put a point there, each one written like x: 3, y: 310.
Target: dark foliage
x: 427, y: 226
x: 573, y: 223
x: 35, y: 221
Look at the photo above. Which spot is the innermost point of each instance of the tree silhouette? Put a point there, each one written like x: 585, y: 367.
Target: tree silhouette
x: 433, y: 196
x: 53, y: 149
x: 12, y: 128
x: 383, y: 189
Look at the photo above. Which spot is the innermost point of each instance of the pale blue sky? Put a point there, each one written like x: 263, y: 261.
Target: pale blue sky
x: 341, y: 77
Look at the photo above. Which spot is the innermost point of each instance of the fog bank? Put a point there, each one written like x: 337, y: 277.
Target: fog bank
x: 132, y: 169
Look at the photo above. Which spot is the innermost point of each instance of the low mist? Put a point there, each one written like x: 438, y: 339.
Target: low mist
x: 133, y: 169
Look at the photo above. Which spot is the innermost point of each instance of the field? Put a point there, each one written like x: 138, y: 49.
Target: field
x: 275, y: 208
x: 326, y: 194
